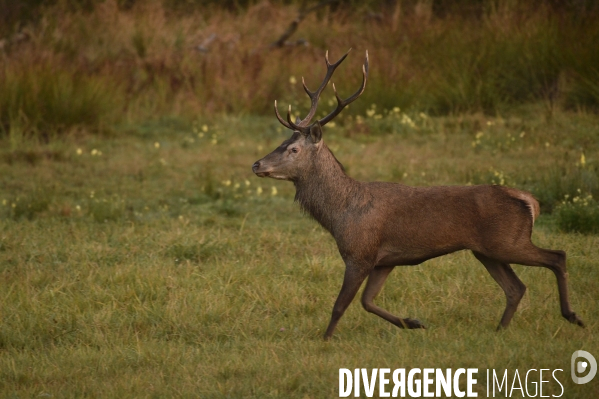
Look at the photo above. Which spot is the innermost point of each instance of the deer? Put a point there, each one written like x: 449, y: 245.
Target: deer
x: 380, y: 225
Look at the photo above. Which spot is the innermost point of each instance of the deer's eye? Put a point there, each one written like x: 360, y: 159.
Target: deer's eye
x: 294, y: 150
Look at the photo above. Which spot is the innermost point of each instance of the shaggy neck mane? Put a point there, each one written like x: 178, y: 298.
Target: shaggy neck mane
x: 325, y: 192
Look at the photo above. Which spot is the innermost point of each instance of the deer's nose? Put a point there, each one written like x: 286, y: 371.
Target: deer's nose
x: 255, y: 166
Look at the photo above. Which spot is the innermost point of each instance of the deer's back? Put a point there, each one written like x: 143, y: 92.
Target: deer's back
x: 407, y: 225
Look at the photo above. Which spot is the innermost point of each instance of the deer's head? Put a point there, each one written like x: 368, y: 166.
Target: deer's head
x: 296, y: 154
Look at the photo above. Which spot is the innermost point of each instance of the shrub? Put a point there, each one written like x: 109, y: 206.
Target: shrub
x: 580, y: 214
x: 560, y: 182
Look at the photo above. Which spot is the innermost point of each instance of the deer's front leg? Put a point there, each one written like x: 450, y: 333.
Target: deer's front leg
x: 355, y: 274
x: 375, y: 283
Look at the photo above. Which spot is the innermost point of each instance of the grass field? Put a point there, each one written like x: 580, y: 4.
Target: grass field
x: 152, y: 263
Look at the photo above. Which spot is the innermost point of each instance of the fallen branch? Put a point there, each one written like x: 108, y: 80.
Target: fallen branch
x: 282, y: 41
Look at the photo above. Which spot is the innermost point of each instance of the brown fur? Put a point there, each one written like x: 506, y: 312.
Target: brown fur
x: 379, y: 225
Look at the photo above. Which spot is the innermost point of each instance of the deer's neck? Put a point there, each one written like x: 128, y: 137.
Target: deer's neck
x: 327, y: 193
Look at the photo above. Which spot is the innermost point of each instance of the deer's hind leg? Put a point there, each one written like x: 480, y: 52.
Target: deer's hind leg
x: 504, y: 275
x: 554, y: 260
x: 376, y: 280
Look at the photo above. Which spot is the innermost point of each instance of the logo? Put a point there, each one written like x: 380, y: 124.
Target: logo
x: 579, y: 366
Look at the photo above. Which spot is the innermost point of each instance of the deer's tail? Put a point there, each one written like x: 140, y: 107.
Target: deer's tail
x: 531, y: 202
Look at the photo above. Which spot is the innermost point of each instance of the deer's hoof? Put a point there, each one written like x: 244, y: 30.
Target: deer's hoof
x: 412, y: 324
x: 574, y: 319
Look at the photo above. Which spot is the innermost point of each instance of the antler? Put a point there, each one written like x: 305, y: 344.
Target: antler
x: 344, y: 103
x: 315, y: 96
x: 302, y: 125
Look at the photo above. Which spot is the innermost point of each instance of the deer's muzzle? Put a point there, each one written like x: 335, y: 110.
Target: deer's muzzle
x: 256, y: 170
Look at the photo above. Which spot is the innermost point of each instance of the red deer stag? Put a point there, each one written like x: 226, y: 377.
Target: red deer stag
x: 380, y: 225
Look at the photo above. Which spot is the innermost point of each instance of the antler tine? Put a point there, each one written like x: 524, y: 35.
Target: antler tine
x: 293, y: 125
x: 344, y: 103
x: 287, y: 125
x: 315, y: 95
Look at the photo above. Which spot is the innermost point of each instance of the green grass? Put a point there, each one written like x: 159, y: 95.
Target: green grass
x: 147, y: 264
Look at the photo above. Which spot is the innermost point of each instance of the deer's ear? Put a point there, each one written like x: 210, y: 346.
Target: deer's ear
x: 316, y: 132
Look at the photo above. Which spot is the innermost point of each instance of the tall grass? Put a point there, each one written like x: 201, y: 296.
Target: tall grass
x: 44, y: 99
x: 87, y: 67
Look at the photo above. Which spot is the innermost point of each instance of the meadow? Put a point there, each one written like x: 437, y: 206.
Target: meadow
x: 154, y: 264
x: 140, y: 256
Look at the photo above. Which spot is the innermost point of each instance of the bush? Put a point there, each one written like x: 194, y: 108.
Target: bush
x: 559, y: 183
x: 580, y: 214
